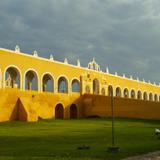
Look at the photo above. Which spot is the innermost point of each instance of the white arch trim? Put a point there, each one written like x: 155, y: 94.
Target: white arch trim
x: 155, y: 95
x: 132, y: 89
x: 112, y: 88
x: 99, y: 85
x: 75, y: 78
x: 151, y: 96
x: 120, y: 90
x: 49, y: 73
x: 127, y: 90
x: 146, y: 94
x: 38, y: 82
x: 103, y: 89
x: 4, y: 75
x: 68, y: 82
x: 139, y: 91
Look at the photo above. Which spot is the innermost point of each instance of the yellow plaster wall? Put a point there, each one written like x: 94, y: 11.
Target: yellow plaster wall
x: 30, y: 105
x: 8, y: 102
x: 123, y: 107
x: 25, y: 62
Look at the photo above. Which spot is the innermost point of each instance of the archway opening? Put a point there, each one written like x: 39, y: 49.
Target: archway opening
x: 145, y: 96
x: 31, y: 80
x: 103, y: 91
x: 155, y: 98
x: 75, y: 86
x: 151, y: 97
x: 12, y: 78
x: 110, y: 90
x: 48, y: 83
x: 95, y: 86
x: 126, y: 93
x: 62, y: 85
x: 73, y: 111
x: 133, y: 94
x: 139, y: 95
x: 87, y: 89
x: 118, y: 92
x: 59, y: 111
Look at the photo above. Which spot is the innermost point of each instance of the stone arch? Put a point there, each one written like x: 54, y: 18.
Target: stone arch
x: 145, y: 96
x: 133, y: 94
x: 59, y: 111
x: 87, y: 89
x: 139, y: 95
x: 155, y: 98
x: 62, y: 84
x: 126, y: 93
x: 31, y: 80
x: 95, y: 86
x: 47, y: 82
x: 75, y: 84
x: 73, y: 112
x: 110, y: 90
x: 103, y: 91
x: 12, y: 77
x: 151, y: 97
x: 118, y: 92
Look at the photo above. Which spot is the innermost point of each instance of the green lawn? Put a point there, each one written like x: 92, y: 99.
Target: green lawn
x: 59, y: 139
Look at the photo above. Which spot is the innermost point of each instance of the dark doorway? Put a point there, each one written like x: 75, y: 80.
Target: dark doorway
x: 73, y: 111
x: 59, y: 111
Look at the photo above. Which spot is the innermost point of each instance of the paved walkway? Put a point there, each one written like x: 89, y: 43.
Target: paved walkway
x: 149, y: 156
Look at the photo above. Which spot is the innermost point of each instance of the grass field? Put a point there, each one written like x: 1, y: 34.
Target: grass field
x: 59, y: 139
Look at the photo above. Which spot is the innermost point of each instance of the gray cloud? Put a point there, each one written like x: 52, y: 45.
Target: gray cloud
x: 122, y: 34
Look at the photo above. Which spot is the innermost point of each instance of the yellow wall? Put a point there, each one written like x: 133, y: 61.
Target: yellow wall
x: 123, y: 107
x: 24, y: 62
x: 31, y: 105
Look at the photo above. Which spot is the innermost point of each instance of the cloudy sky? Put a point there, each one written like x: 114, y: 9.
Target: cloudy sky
x: 121, y: 34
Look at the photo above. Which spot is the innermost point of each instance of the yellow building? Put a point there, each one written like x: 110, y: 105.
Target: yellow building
x: 32, y: 87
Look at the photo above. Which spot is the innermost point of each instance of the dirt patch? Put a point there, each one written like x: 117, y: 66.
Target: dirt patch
x: 149, y: 156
